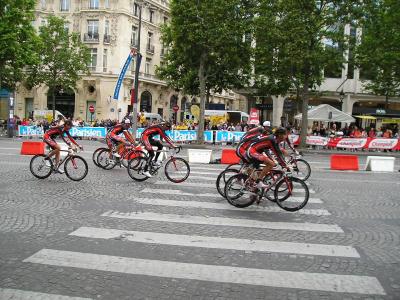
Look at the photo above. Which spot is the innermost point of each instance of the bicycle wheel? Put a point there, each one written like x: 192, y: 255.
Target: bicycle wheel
x: 222, y: 179
x: 177, y: 169
x: 76, y: 168
x: 301, y: 169
x: 236, y: 192
x: 136, y: 168
x: 233, y: 166
x: 104, y: 161
x: 95, y: 154
x: 270, y: 193
x: 38, y: 167
x: 298, y: 194
x: 131, y: 155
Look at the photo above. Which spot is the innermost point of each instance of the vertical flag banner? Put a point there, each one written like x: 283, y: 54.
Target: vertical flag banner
x: 122, y: 75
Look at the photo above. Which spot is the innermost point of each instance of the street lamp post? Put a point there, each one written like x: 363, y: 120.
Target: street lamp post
x: 137, y: 69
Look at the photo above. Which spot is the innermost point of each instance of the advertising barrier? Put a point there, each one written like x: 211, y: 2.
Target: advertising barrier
x: 222, y: 136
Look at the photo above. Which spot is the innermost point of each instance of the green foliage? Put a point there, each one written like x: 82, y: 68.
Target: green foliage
x: 17, y: 40
x: 379, y: 50
x: 63, y: 57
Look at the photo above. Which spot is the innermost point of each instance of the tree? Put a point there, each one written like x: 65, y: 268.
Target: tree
x: 63, y: 57
x: 207, y: 48
x: 292, y: 52
x: 379, y: 50
x: 17, y: 40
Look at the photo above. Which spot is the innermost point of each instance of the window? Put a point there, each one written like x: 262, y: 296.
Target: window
x: 93, y: 29
x: 149, y: 39
x: 147, y: 66
x: 66, y: 27
x: 94, y: 4
x: 151, y: 15
x: 105, y: 60
x: 93, y: 59
x: 165, y: 20
x: 134, y: 36
x: 43, y: 22
x: 107, y: 3
x: 64, y: 5
x: 107, y: 27
x: 136, y: 10
x: 43, y: 4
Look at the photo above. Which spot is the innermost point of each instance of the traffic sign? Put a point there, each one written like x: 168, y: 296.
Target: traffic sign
x: 175, y: 108
x: 91, y: 109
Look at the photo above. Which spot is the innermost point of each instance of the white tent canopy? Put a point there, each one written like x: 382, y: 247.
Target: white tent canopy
x: 327, y: 113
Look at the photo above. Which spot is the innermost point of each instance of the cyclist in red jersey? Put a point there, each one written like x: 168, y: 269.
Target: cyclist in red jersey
x: 271, y: 142
x: 49, y: 138
x: 115, y: 141
x: 148, y: 141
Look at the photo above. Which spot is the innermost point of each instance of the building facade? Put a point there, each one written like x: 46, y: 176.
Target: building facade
x: 110, y: 29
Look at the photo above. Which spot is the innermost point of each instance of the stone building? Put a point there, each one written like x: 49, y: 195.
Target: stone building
x: 110, y: 29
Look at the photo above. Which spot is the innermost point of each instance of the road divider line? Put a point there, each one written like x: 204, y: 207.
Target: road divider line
x: 211, y: 273
x: 216, y: 242
x: 226, y: 206
x: 219, y: 221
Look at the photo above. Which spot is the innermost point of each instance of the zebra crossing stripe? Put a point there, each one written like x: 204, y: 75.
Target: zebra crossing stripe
x: 212, y: 273
x: 226, y: 206
x: 12, y: 294
x: 248, y: 223
x: 216, y: 242
x: 198, y: 184
x: 203, y: 178
x: 181, y: 193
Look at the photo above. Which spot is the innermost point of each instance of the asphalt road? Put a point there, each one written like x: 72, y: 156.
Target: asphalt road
x: 108, y: 237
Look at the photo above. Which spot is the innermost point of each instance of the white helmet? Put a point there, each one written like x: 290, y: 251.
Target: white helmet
x: 267, y: 124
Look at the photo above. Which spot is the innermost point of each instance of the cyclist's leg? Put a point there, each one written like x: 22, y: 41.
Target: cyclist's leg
x: 264, y: 159
x: 150, y: 151
x: 55, y: 150
x: 159, y: 146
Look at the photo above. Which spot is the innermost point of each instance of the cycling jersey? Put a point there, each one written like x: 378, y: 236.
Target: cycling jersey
x: 256, y: 149
x: 53, y: 132
x: 113, y: 137
x: 149, y: 133
x: 247, y: 139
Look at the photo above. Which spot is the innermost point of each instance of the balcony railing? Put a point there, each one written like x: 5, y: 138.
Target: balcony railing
x: 150, y: 49
x: 91, y: 37
x: 107, y: 39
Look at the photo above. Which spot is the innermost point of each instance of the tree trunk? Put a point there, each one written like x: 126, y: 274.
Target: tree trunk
x: 54, y: 104
x: 202, y: 80
x: 387, y: 102
x: 304, y: 111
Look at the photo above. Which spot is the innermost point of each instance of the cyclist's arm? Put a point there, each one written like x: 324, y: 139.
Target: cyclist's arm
x: 129, y: 136
x: 167, y: 138
x: 278, y: 153
x: 290, y: 145
x: 70, y: 138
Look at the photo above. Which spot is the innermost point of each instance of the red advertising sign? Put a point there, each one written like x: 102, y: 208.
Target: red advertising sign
x: 175, y: 108
x: 254, y: 116
x: 91, y: 109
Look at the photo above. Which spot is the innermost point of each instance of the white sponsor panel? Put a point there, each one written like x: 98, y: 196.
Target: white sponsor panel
x: 212, y: 273
x: 294, y: 138
x: 317, y: 140
x: 383, y: 143
x: 352, y: 143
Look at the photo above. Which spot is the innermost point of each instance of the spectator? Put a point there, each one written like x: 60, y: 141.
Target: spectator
x: 372, y: 132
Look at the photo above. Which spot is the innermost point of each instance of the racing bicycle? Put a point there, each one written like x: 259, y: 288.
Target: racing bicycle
x: 75, y: 166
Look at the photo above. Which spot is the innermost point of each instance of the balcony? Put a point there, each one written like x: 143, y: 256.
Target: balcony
x: 107, y: 39
x: 91, y: 37
x: 150, y: 49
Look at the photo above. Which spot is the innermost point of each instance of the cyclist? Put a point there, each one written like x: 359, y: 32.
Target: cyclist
x: 148, y: 141
x: 115, y: 141
x: 49, y: 138
x: 256, y: 153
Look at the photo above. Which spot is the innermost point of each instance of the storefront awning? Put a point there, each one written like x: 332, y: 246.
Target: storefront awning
x: 366, y: 117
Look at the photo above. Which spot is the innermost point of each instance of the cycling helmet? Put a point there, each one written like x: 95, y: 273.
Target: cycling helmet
x: 127, y: 121
x: 166, y: 125
x: 267, y: 124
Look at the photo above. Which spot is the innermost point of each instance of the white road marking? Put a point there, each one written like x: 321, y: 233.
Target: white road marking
x: 193, y: 184
x: 12, y: 294
x: 226, y: 206
x: 216, y: 242
x: 218, y: 221
x: 215, y: 195
x: 212, y: 273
